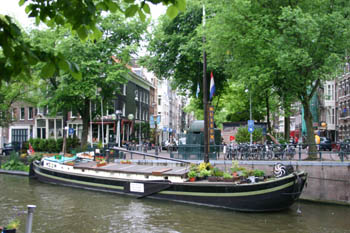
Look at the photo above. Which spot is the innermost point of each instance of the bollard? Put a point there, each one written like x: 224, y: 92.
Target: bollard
x: 156, y: 150
x: 300, y: 151
x: 320, y: 155
x: 30, y: 218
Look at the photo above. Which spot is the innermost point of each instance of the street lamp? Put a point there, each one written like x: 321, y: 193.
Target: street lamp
x: 118, y: 114
x: 156, y: 133
x: 155, y: 120
x: 139, y: 99
x: 130, y: 117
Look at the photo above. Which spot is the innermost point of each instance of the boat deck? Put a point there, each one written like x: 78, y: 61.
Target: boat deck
x: 135, y: 169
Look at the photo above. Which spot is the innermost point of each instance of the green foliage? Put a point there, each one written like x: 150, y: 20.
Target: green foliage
x: 64, y: 93
x: 244, y: 136
x: 258, y: 173
x: 43, y: 145
x: 15, y: 164
x: 282, y: 140
x: 192, y: 174
x: 204, y: 173
x: 35, y: 143
x: 80, y: 16
x: 51, y: 145
x: 25, y: 146
x: 175, y: 50
x: 59, y: 145
x: 72, y: 142
x: 227, y: 175
x: 36, y: 156
x: 288, y: 48
x: 217, y: 172
x: 13, y: 224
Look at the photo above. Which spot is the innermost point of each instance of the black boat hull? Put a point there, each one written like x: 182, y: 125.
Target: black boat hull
x: 273, y: 195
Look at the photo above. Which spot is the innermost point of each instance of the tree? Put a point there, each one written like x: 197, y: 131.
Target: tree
x: 81, y: 16
x: 176, y: 50
x: 288, y: 46
x: 14, y: 91
x: 101, y: 75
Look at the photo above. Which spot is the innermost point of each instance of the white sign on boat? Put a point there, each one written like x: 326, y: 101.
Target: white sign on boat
x: 137, y: 187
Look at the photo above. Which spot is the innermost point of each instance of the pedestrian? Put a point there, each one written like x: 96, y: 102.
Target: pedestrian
x: 317, y: 141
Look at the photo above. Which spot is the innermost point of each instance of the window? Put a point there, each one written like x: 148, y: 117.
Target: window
x: 41, y: 128
x: 13, y: 114
x: 19, y: 135
x: 51, y: 128
x: 22, y: 114
x: 58, y: 128
x: 30, y: 113
x: 159, y: 101
x: 40, y: 111
x: 73, y: 114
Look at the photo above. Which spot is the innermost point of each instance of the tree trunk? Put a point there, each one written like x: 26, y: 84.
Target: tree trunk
x: 286, y: 128
x: 286, y: 107
x: 310, y: 140
x: 268, y: 112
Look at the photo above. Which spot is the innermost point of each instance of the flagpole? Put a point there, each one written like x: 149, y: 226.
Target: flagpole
x: 205, y: 99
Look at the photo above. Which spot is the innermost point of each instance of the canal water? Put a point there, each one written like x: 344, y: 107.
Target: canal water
x: 64, y: 209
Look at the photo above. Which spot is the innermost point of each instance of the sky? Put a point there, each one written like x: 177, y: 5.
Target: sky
x: 11, y: 7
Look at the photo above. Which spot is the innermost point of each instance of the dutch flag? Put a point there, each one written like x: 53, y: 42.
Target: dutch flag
x: 212, y: 86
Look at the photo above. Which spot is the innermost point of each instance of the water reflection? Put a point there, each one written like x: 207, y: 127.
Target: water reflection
x: 64, y: 209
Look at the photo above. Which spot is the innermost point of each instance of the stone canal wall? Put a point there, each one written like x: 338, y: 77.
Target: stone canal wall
x: 327, y: 181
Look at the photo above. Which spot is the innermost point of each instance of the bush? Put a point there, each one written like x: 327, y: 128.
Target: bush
x: 15, y: 164
x: 35, y: 143
x: 217, y: 172
x: 34, y: 157
x: 25, y: 146
x: 72, y: 143
x: 51, y: 145
x: 59, y: 144
x: 244, y: 136
x: 43, y: 145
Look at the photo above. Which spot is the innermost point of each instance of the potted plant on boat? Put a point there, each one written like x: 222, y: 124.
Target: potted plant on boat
x: 101, y: 163
x: 216, y: 175
x: 12, y: 226
x: 204, y: 174
x: 227, y: 177
x: 192, y: 175
x: 259, y: 175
